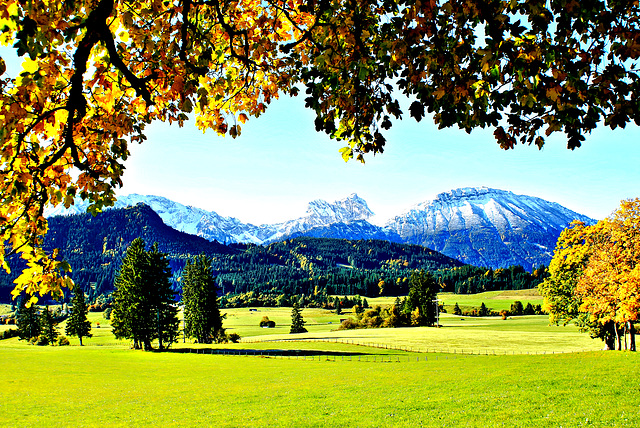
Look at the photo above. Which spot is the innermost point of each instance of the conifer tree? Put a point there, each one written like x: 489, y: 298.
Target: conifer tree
x: 199, y: 295
x: 484, y: 311
x: 297, y: 322
x: 77, y: 323
x: 163, y: 303
x: 27, y: 320
x: 144, y: 308
x: 48, y: 326
x: 457, y: 310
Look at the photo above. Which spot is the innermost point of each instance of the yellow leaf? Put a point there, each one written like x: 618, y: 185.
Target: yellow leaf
x: 30, y: 66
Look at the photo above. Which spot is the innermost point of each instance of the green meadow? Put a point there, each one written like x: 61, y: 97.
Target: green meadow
x: 471, y: 372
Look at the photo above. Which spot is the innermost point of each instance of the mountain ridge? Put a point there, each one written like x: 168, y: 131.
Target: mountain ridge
x: 476, y: 225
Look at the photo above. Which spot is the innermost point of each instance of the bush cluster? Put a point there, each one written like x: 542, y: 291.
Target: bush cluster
x: 8, y: 334
x: 267, y: 323
x: 383, y: 317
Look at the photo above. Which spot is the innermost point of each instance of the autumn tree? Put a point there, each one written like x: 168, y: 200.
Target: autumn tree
x: 144, y: 308
x: 199, y: 296
x: 96, y: 72
x: 297, y: 322
x: 77, y: 323
x: 595, y: 277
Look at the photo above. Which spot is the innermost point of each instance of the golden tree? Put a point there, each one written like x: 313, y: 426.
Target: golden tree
x: 595, y: 276
x: 96, y: 72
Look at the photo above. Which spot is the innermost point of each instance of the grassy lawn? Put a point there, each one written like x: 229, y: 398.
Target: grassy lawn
x: 360, y: 378
x: 98, y: 386
x: 494, y: 300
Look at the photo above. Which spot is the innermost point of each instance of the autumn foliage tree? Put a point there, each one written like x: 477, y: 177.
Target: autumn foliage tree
x: 96, y: 72
x: 595, y: 277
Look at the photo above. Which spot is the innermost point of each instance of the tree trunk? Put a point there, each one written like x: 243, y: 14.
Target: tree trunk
x: 80, y: 337
x: 618, y: 339
x: 609, y: 342
x: 632, y: 337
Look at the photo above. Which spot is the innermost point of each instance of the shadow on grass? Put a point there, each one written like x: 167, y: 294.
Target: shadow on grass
x: 265, y: 352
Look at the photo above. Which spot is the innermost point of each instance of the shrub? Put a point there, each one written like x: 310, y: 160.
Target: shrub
x: 234, y: 337
x: 107, y: 313
x: 63, y: 341
x: 266, y: 322
x: 41, y: 340
x: 504, y: 314
x: 349, y: 324
x: 517, y: 308
x: 8, y: 334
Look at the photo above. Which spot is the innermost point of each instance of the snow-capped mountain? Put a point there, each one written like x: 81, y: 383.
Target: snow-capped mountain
x: 320, y: 214
x: 481, y: 226
x: 486, y: 227
x: 212, y: 226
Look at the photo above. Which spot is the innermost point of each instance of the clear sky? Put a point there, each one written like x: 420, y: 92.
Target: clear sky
x: 280, y: 163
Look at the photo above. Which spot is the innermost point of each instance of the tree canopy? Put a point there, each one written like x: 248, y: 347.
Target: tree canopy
x: 96, y: 72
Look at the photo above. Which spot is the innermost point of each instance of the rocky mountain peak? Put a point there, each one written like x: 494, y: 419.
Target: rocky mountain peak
x: 345, y: 210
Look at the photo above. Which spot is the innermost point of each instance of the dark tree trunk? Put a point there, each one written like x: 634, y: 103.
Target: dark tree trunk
x: 632, y: 337
x: 609, y: 342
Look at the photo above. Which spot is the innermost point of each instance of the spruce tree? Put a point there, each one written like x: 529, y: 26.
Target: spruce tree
x: 199, y: 296
x: 457, y: 310
x: 27, y: 320
x: 163, y: 303
x: 77, y: 323
x: 484, y: 311
x: 144, y: 307
x: 48, y: 326
x: 297, y: 322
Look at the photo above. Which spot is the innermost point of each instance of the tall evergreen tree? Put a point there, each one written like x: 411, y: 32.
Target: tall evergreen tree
x: 297, y: 322
x: 27, y: 320
x: 48, y: 326
x: 163, y: 302
x: 77, y: 323
x: 199, y: 295
x: 423, y: 290
x: 144, y: 307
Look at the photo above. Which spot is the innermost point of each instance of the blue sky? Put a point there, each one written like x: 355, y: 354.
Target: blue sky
x: 280, y: 163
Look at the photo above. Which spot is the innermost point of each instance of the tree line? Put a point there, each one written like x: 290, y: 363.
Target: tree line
x: 95, y: 246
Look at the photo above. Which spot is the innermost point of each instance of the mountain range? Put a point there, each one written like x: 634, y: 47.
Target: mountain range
x: 480, y: 226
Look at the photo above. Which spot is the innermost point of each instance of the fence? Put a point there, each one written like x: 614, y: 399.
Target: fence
x: 351, y: 356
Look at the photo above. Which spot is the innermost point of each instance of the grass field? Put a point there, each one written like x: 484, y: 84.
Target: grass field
x: 359, y: 378
x: 105, y: 386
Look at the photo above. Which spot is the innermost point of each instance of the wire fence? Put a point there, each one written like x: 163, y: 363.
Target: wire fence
x: 420, y: 354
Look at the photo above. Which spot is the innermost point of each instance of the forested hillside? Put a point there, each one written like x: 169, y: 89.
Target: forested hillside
x: 95, y: 246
